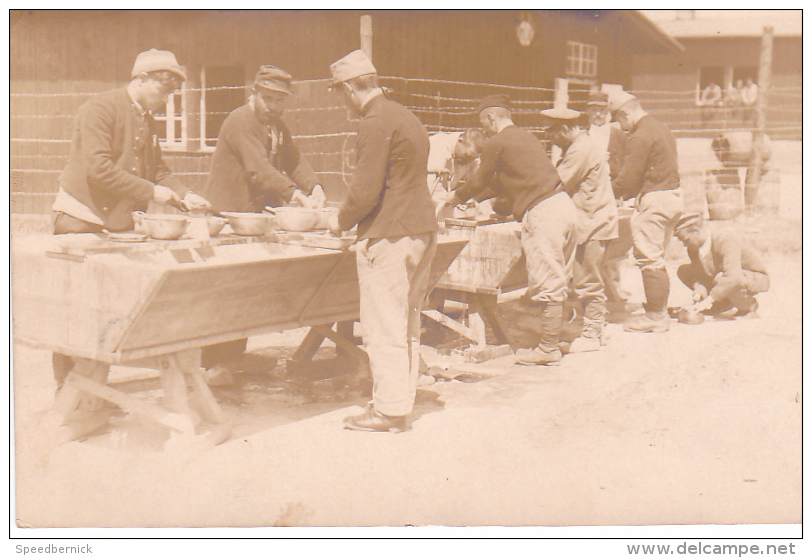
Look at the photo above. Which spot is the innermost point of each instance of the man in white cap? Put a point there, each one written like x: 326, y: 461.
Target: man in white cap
x: 397, y: 236
x: 650, y: 175
x: 584, y: 173
x: 115, y: 164
x: 515, y: 166
x: 256, y: 162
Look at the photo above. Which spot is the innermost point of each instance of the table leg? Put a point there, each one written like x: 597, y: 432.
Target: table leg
x: 488, y: 308
x: 346, y: 331
x: 309, y: 345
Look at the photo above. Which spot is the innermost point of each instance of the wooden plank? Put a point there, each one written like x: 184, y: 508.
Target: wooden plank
x: 204, y: 400
x: 488, y: 308
x: 309, y: 345
x: 450, y: 323
x: 131, y: 404
x: 346, y: 345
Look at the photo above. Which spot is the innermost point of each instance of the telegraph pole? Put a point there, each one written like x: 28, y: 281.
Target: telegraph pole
x: 366, y: 35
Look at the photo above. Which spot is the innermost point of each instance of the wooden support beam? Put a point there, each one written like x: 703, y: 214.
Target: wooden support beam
x: 451, y: 324
x: 175, y: 421
x: 309, y: 345
x: 346, y: 345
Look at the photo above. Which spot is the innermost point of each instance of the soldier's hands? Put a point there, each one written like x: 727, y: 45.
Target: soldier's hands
x: 700, y: 293
x: 164, y: 195
x: 332, y: 224
x: 317, y: 197
x: 300, y: 200
x: 194, y: 202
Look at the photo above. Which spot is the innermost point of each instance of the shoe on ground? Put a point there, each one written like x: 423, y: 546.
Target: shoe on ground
x: 585, y: 344
x: 218, y: 376
x: 647, y: 324
x: 751, y: 312
x: 371, y: 420
x: 537, y: 357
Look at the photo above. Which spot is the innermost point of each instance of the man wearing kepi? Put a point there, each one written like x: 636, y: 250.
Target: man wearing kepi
x: 256, y: 163
x: 516, y: 167
x: 115, y: 164
x: 724, y: 275
x: 649, y: 174
x: 584, y: 173
x: 397, y: 237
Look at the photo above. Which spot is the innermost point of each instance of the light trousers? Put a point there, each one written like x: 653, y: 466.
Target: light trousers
x: 393, y: 275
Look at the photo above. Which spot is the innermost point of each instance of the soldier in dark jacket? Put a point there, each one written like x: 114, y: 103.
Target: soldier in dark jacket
x: 115, y: 164
x: 397, y: 237
x: 515, y: 166
x: 256, y: 162
x: 649, y: 175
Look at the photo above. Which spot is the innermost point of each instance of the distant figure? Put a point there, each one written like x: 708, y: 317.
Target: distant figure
x: 738, y: 90
x: 733, y: 101
x: 711, y: 95
x: 724, y: 274
x: 749, y: 93
x: 749, y: 97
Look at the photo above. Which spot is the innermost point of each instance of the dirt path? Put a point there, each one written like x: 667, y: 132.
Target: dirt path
x: 699, y: 425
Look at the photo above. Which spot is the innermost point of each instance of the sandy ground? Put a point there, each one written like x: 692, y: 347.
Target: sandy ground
x: 700, y: 425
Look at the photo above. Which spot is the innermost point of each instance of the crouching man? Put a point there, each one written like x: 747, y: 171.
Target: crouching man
x: 724, y: 274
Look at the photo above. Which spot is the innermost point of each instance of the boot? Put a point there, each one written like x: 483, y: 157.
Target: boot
x: 590, y: 339
x: 655, y: 320
x: 547, y: 352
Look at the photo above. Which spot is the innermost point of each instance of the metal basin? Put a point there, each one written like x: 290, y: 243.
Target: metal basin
x: 297, y: 219
x: 249, y: 224
x: 162, y: 226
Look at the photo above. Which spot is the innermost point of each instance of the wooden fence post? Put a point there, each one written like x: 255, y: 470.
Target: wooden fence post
x: 764, y: 69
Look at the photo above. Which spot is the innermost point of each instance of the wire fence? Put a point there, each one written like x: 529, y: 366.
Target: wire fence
x: 41, y: 124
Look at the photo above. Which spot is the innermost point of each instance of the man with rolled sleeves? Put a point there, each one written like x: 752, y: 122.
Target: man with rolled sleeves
x: 515, y: 166
x: 115, y: 164
x: 649, y: 175
x: 256, y: 162
x: 584, y: 173
x: 397, y: 236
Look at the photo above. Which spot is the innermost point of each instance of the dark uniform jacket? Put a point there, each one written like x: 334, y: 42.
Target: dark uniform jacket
x: 616, y: 150
x: 115, y: 159
x: 514, y: 165
x: 250, y: 170
x: 650, y: 162
x: 388, y: 197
